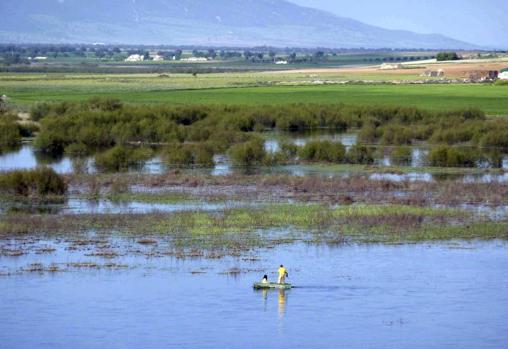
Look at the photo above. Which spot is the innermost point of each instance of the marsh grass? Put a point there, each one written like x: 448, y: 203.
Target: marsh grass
x: 242, y: 228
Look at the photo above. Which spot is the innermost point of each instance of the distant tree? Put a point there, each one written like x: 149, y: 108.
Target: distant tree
x: 212, y: 53
x: 318, y: 55
x: 247, y: 54
x: 447, y: 56
x: 272, y: 55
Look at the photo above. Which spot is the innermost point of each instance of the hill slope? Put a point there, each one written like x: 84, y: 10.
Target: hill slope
x: 197, y: 22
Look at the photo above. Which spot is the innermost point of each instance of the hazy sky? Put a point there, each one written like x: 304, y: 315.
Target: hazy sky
x: 482, y: 22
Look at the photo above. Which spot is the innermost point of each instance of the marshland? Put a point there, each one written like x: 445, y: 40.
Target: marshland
x: 391, y: 214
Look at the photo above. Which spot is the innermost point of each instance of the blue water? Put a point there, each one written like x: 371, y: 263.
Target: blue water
x: 450, y: 295
x: 28, y: 158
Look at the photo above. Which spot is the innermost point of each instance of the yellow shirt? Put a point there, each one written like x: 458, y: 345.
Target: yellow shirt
x: 282, y: 271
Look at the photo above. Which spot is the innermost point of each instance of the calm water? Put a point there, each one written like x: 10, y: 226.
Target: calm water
x: 409, y: 296
x: 82, y: 206
x: 27, y: 158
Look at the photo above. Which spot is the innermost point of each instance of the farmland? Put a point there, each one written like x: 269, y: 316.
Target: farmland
x: 249, y: 88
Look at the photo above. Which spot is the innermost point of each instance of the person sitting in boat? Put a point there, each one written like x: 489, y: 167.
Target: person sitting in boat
x: 265, y: 279
x: 282, y: 275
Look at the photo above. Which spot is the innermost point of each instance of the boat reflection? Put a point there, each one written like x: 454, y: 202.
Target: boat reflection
x: 281, y: 300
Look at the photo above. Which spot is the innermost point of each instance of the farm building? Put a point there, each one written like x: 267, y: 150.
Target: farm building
x: 135, y: 58
x: 482, y: 75
x: 504, y: 74
x: 281, y: 62
x: 434, y: 73
x: 157, y: 58
x: 386, y: 66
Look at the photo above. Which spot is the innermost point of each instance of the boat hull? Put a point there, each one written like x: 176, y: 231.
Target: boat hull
x: 271, y: 285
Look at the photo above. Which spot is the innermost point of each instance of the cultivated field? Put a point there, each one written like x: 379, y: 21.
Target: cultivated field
x: 254, y: 88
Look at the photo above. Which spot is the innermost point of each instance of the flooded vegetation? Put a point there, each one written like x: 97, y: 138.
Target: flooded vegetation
x: 203, y: 201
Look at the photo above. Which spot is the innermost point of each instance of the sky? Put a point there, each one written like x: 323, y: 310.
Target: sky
x: 481, y: 22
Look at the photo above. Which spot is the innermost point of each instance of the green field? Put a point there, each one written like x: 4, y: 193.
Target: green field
x: 249, y: 88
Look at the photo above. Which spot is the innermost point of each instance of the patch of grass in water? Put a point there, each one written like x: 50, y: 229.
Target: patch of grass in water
x: 245, y: 228
x: 153, y: 198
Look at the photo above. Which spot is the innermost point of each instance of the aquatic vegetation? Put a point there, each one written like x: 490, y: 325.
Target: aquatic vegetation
x: 40, y: 182
x: 10, y: 133
x: 241, y: 228
x: 188, y: 154
x: 396, y: 135
x: 121, y: 158
x: 325, y: 151
x: 360, y: 154
x: 446, y: 156
x: 401, y: 156
x: 249, y: 153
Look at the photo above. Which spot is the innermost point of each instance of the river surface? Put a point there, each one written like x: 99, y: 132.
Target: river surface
x: 448, y: 295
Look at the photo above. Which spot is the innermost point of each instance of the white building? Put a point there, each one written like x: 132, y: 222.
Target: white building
x: 503, y: 76
x: 157, y: 58
x: 281, y: 62
x: 386, y: 66
x: 135, y: 58
x: 40, y: 58
x: 434, y: 73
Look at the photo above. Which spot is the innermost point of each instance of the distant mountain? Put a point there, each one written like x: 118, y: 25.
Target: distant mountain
x: 197, y: 22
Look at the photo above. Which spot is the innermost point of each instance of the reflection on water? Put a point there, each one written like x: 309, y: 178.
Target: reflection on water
x: 82, y: 206
x: 26, y: 158
x: 281, y: 299
x: 372, y: 296
x: 282, y: 303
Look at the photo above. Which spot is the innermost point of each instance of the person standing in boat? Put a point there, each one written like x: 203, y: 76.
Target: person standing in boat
x: 283, y: 274
x: 265, y: 279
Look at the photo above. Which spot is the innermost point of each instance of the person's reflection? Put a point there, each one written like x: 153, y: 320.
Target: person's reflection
x: 264, y: 293
x: 282, y: 303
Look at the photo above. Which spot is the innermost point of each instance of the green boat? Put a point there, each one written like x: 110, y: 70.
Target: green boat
x: 271, y: 285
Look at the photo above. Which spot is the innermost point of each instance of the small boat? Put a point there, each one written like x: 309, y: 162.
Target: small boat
x: 271, y: 285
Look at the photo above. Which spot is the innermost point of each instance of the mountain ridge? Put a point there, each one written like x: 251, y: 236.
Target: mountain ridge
x: 199, y: 22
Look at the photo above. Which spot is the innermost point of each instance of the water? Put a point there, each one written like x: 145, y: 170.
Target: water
x: 27, y: 158
x: 82, y: 206
x: 450, y: 295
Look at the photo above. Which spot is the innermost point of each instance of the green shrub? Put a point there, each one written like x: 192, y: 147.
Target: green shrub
x: 396, y: 135
x: 105, y: 104
x: 497, y: 138
x: 40, y: 182
x: 39, y: 111
x: 189, y: 155
x: 401, y: 156
x: 289, y: 150
x: 10, y: 135
x: 120, y: 158
x: 446, y: 156
x: 326, y: 151
x: 360, y: 154
x: 77, y: 149
x: 249, y: 153
x: 369, y: 133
